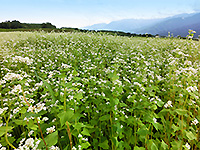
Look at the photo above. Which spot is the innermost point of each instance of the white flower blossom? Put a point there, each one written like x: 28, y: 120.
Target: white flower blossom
x: 154, y: 120
x: 3, y: 109
x: 85, y: 139
x: 195, y: 122
x: 192, y: 89
x: 168, y: 104
x: 16, y: 110
x: 30, y: 133
x: 79, y: 147
x: 29, y: 142
x: 54, y: 148
x: 50, y: 130
x: 45, y: 118
x: 12, y: 76
x: 79, y: 136
x: 39, y: 107
x: 187, y: 146
x: 22, y: 59
x: 73, y: 148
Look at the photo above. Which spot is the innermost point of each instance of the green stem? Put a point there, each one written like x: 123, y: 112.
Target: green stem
x: 65, y: 105
x: 135, y: 135
x: 185, y: 101
x: 6, y: 137
x: 111, y: 130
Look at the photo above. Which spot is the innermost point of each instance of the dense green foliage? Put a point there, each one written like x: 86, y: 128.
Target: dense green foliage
x: 94, y: 91
x: 16, y: 25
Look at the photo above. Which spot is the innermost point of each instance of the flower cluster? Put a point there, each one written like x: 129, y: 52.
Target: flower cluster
x: 195, y: 122
x: 27, y: 144
x: 22, y: 59
x: 12, y: 76
x: 168, y: 104
x: 50, y: 130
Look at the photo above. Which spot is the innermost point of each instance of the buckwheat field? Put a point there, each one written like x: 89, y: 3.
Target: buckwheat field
x: 93, y: 91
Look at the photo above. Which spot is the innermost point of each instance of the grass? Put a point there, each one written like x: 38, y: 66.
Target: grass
x: 95, y: 91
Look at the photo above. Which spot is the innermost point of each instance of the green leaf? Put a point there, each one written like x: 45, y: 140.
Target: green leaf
x: 68, y: 84
x: 85, y: 145
x: 49, y: 88
x: 176, y: 145
x: 75, y: 73
x: 65, y: 116
x: 181, y: 111
x: 114, y: 101
x: 143, y: 132
x: 78, y: 96
x: 115, y: 141
x: 104, y: 145
x: 31, y: 114
x: 139, y: 148
x: 85, y: 132
x: 191, y: 136
x: 4, y: 143
x: 34, y: 127
x: 157, y: 126
x: 152, y: 93
x: 19, y: 122
x: 160, y: 103
x: 153, y: 146
x: 66, y: 148
x: 114, y: 76
x: 164, y: 145
x: 105, y: 117
x: 176, y: 128
x: 3, y: 130
x: 78, y: 126
x: 23, y: 110
x: 52, y: 139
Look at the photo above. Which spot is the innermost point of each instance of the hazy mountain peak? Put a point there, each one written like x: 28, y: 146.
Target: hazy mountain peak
x: 177, y: 24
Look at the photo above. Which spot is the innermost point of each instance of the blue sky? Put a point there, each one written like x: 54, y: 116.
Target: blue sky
x: 80, y: 13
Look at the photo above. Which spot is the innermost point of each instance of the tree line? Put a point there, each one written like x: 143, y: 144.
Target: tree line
x: 17, y: 25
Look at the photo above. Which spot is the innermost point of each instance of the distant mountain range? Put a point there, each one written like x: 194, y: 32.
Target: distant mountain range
x: 178, y: 25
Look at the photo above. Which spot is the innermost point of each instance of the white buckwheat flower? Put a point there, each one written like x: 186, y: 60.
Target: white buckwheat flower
x: 39, y: 107
x: 187, y: 146
x: 79, y: 147
x: 45, y: 118
x: 73, y: 148
x: 168, y: 104
x: 2, y: 110
x: 31, y: 108
x: 80, y: 136
x: 50, y: 130
x: 29, y: 142
x: 195, y: 122
x: 192, y: 89
x: 16, y: 110
x: 54, y: 148
x: 154, y: 120
x: 30, y: 133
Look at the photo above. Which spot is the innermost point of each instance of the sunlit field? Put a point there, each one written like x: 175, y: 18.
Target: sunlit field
x: 92, y: 91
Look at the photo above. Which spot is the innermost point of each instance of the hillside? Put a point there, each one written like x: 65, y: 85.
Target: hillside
x: 178, y: 25
x: 127, y: 25
x: 16, y: 25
